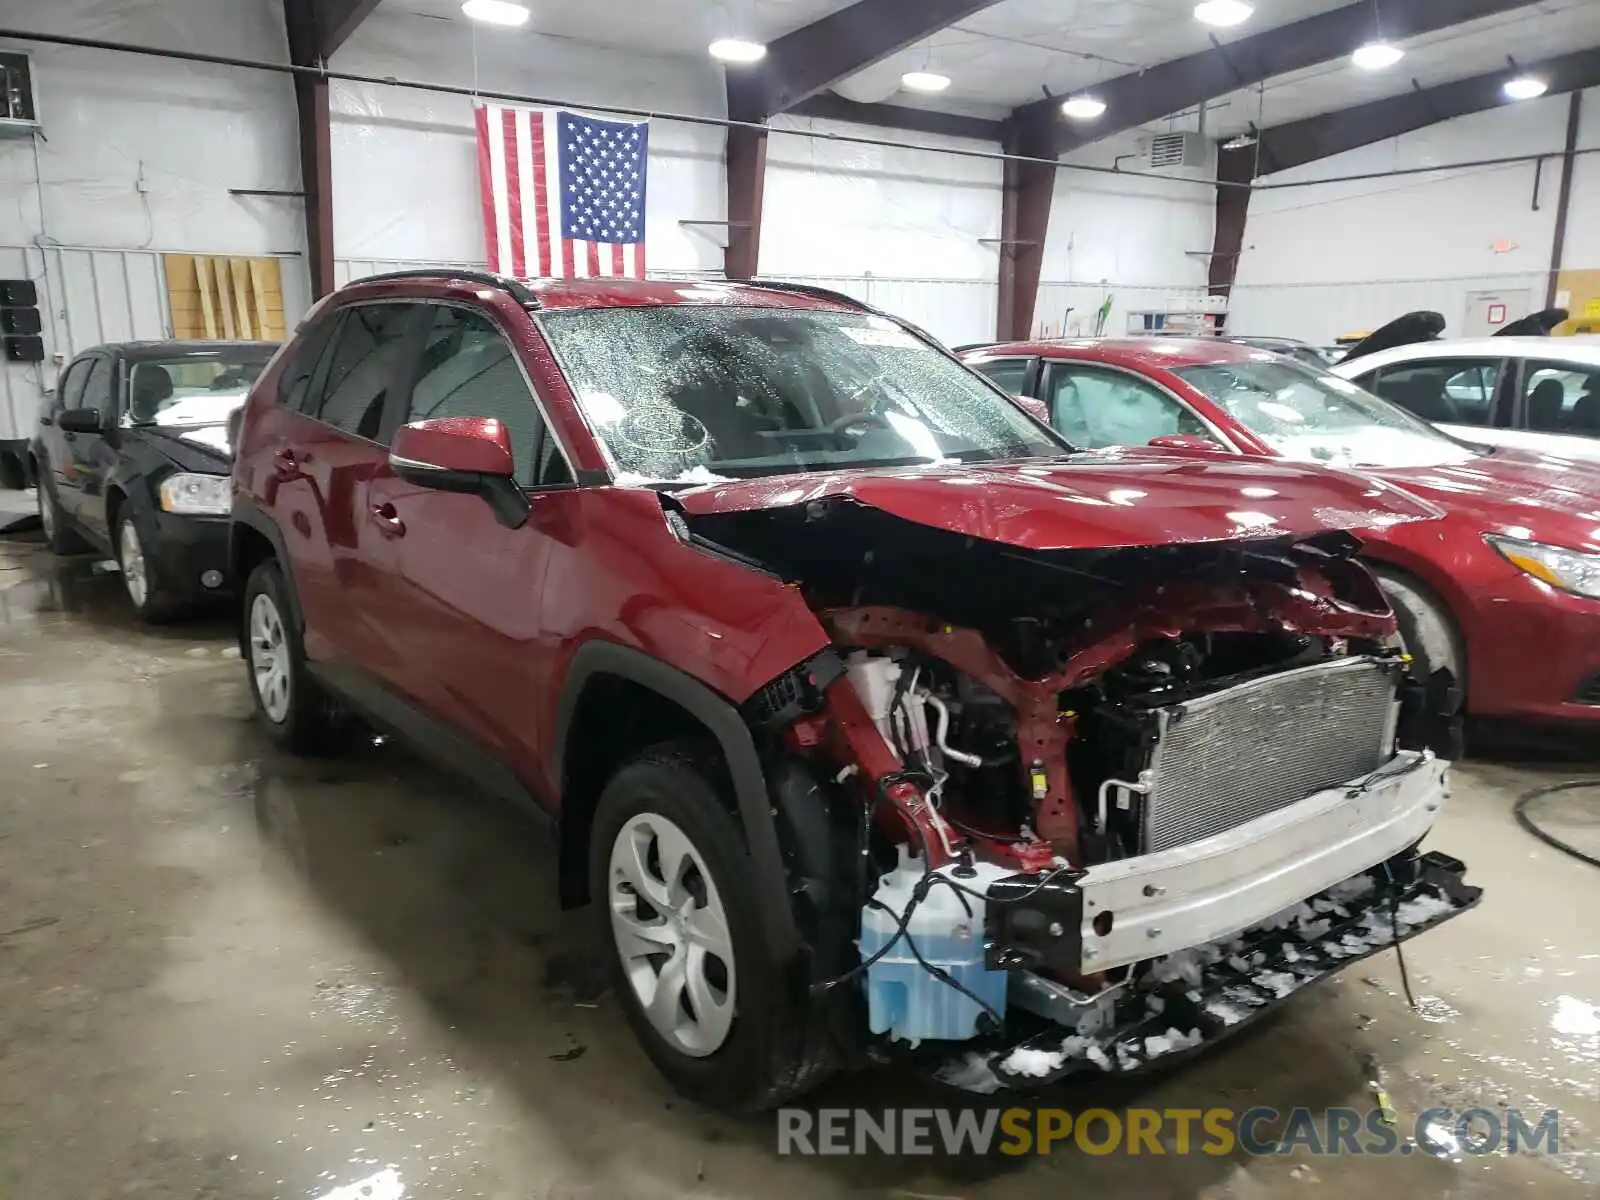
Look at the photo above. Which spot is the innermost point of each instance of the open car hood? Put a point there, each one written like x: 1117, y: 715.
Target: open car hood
x: 1402, y: 331
x: 1104, y: 501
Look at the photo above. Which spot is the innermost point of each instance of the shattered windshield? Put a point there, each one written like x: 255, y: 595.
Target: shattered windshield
x: 1311, y: 416
x: 687, y: 394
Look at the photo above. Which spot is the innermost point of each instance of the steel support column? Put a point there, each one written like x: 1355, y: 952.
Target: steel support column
x: 1233, y: 210
x: 1029, y: 190
x: 1569, y: 161
x: 747, y: 177
x: 316, y: 174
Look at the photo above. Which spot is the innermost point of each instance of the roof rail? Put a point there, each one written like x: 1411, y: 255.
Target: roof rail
x: 518, y: 290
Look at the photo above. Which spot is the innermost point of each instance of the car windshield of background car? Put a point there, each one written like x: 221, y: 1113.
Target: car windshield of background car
x: 1314, y: 417
x: 687, y: 395
x: 192, y: 390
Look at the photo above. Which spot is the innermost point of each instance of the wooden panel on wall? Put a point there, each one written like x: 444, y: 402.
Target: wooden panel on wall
x: 211, y: 297
x: 1584, y: 287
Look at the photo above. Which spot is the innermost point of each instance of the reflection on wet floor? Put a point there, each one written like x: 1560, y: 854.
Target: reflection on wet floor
x: 229, y: 973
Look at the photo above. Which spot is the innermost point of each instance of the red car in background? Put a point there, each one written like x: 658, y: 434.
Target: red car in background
x: 1504, y: 593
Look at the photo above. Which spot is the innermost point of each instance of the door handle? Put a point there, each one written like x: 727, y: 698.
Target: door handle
x: 388, y: 520
x: 286, y: 464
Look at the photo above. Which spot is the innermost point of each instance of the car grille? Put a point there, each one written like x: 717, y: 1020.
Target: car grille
x: 1589, y: 693
x: 1235, y: 755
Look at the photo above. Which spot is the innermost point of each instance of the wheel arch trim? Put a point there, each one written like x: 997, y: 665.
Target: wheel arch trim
x: 246, y: 513
x: 717, y: 714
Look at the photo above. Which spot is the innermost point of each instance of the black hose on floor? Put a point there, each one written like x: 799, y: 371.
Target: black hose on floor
x: 1520, y: 811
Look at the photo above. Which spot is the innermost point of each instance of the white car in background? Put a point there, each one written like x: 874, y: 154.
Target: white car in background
x: 1534, y: 393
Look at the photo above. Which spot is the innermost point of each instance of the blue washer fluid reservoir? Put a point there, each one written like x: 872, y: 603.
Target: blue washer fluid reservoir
x: 903, y: 999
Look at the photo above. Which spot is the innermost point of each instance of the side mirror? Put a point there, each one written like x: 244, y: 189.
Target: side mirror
x: 1185, y: 441
x: 1037, y: 409
x: 80, y: 420
x: 462, y: 454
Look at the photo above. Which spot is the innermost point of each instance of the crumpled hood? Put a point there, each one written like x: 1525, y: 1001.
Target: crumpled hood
x: 1093, y: 502
x: 192, y: 447
x: 1534, y: 497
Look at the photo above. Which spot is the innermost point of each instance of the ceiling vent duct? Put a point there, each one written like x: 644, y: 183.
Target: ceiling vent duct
x: 19, y: 117
x: 1174, y: 151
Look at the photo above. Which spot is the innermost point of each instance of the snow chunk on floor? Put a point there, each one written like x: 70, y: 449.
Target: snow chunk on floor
x: 1037, y: 1063
x: 971, y: 1074
x: 1351, y: 889
x: 1423, y: 909
x: 1228, y: 1014
x: 1279, y: 983
x: 1171, y: 1042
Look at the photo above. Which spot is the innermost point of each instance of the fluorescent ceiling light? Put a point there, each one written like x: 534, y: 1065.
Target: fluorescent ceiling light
x: 1377, y: 56
x: 496, y: 12
x: 1525, y: 87
x: 1242, y: 142
x: 1083, y: 107
x: 737, y: 50
x: 924, y: 81
x: 1223, y: 13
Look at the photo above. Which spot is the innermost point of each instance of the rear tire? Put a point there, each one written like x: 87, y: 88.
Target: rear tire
x: 736, y: 1031
x: 292, y: 707
x: 57, y: 535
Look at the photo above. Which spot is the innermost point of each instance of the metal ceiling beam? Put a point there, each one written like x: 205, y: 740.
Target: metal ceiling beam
x: 798, y: 67
x: 899, y: 116
x: 819, y: 55
x: 1298, y: 142
x: 1170, y: 87
x: 336, y: 20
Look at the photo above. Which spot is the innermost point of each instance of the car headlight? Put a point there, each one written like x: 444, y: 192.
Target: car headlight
x: 1569, y: 570
x: 196, y: 495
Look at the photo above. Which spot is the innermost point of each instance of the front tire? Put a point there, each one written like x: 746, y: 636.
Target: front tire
x: 293, y: 709
x: 678, y: 907
x: 152, y: 598
x: 1428, y: 631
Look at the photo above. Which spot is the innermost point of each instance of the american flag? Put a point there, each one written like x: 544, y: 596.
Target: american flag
x: 563, y: 194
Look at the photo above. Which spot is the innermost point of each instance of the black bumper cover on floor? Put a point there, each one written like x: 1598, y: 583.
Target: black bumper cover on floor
x: 1248, y: 977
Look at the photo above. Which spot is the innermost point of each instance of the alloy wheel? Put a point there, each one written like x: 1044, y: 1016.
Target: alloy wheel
x: 269, y: 658
x: 671, y: 931
x: 135, y: 573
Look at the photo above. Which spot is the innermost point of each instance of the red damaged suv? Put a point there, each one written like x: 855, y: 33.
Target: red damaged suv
x: 872, y: 719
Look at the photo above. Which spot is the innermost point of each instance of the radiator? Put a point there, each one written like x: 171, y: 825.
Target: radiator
x: 1225, y: 759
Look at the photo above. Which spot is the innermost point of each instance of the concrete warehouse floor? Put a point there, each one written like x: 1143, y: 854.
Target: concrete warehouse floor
x: 224, y: 973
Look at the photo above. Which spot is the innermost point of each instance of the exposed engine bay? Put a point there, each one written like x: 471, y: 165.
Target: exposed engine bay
x: 1072, y: 767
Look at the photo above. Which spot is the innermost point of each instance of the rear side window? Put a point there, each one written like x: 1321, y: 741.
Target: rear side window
x: 362, y: 366
x: 1449, y: 391
x: 1561, y: 398
x: 1008, y: 374
x: 468, y: 369
x: 294, y: 385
